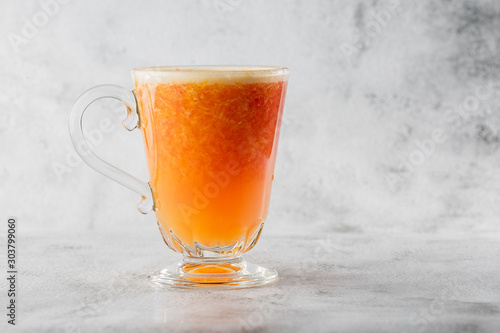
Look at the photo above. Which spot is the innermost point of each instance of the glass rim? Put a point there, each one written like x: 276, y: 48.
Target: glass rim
x: 215, y: 69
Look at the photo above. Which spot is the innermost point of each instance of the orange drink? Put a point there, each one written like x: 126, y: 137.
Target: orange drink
x: 211, y: 140
x: 211, y: 135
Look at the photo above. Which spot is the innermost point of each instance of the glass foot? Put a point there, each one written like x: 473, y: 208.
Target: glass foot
x: 213, y: 273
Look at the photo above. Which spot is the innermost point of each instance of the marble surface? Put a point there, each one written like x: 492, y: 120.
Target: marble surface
x: 344, y: 282
x: 370, y: 84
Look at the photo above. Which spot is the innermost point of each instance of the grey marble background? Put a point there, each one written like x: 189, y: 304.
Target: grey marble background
x: 391, y: 128
x: 370, y: 80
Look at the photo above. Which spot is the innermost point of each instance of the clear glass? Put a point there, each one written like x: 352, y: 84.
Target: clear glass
x: 211, y: 136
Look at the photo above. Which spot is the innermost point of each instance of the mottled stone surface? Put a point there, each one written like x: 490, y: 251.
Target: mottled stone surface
x: 348, y: 282
x: 389, y: 146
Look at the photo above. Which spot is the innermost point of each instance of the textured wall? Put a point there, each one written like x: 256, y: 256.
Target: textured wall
x: 391, y: 121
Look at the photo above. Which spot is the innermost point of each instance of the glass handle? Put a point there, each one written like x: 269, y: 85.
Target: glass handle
x: 130, y: 123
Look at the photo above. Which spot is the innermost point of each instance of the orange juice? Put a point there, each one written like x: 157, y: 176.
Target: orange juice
x: 211, y: 146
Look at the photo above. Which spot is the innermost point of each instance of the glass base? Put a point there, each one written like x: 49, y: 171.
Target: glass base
x: 214, y: 273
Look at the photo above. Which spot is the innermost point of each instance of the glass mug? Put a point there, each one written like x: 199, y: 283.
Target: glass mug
x: 211, y: 136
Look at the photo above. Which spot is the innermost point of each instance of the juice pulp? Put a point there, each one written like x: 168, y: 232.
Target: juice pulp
x: 211, y: 148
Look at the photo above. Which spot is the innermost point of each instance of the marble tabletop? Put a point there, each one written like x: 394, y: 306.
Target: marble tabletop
x: 339, y: 282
